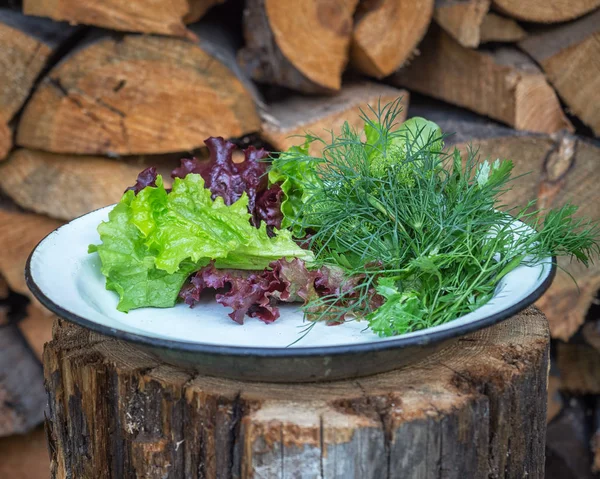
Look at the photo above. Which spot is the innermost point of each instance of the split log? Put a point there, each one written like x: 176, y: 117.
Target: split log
x: 386, y: 33
x: 139, y: 94
x: 570, y: 57
x: 19, y: 234
x: 579, y: 366
x: 36, y: 328
x: 546, y: 11
x: 27, y: 44
x: 496, y: 28
x: 299, y: 45
x: 155, y: 16
x: 22, y: 397
x: 67, y: 186
x: 25, y: 457
x: 462, y: 20
x: 504, y: 85
x: 471, y: 24
x: 477, y: 408
x: 563, y: 168
x: 288, y: 120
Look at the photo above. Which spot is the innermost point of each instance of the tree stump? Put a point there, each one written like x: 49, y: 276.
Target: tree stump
x: 476, y: 409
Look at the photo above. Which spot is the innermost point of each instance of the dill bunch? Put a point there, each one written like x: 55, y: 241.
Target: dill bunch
x: 421, y: 226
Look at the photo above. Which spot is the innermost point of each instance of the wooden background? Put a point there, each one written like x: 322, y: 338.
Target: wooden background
x: 91, y: 92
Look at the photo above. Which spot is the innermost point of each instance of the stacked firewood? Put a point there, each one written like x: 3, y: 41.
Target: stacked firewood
x: 91, y: 92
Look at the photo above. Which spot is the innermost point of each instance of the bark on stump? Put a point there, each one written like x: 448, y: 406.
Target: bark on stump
x: 476, y: 409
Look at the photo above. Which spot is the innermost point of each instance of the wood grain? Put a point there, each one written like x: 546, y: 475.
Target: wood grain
x: 27, y: 44
x: 139, y: 94
x: 287, y: 121
x: 475, y: 409
x: 19, y: 234
x: 25, y: 456
x: 386, y: 34
x: 167, y: 17
x: 504, y: 84
x: 570, y: 57
x: 462, y: 20
x: 546, y: 11
x: 299, y: 45
x: 67, y: 186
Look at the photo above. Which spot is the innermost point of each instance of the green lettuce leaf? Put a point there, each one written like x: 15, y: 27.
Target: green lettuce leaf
x: 153, y: 241
x: 295, y: 178
x: 387, y: 149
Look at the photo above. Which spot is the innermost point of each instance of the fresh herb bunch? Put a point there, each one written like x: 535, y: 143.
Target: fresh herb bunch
x: 422, y: 227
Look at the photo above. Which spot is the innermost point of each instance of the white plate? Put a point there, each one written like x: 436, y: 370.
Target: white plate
x: 67, y: 280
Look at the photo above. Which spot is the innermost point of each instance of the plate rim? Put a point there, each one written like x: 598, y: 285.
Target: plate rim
x: 175, y: 345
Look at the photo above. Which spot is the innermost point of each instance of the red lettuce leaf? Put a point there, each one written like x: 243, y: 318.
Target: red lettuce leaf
x: 268, y: 207
x: 145, y: 178
x: 227, y: 179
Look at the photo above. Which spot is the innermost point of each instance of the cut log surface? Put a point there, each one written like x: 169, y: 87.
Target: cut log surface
x: 19, y: 234
x: 546, y: 11
x: 299, y: 45
x: 496, y: 28
x: 22, y: 397
x: 558, y: 169
x: 27, y: 44
x: 139, y: 94
x: 155, y: 16
x: 386, y: 33
x: 66, y: 186
x: 462, y: 19
x: 570, y: 57
x: 504, y: 85
x: 25, y: 456
x: 476, y: 409
x: 287, y: 121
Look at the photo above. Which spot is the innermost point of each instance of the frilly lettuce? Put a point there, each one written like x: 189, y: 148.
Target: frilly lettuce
x: 153, y: 241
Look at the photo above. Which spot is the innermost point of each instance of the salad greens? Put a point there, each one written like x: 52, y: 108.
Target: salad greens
x: 386, y: 226
x: 419, y: 225
x: 155, y: 240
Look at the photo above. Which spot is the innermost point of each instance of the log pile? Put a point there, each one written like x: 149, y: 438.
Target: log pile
x: 93, y: 92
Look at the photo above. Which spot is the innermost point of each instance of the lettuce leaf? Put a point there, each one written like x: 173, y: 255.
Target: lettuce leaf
x: 295, y: 179
x: 153, y: 241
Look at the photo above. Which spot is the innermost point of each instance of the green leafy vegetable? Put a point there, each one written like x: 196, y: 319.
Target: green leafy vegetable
x: 155, y: 240
x: 295, y: 178
x: 420, y: 225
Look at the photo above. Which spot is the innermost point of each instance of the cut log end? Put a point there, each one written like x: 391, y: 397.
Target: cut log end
x: 570, y: 56
x: 462, y: 20
x: 32, y: 178
x: 496, y: 28
x: 299, y: 45
x: 108, y: 399
x: 137, y: 95
x: 546, y: 11
x: 504, y: 84
x: 386, y: 33
x: 287, y: 121
x: 166, y: 18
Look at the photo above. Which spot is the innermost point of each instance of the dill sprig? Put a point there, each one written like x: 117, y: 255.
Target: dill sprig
x: 423, y: 227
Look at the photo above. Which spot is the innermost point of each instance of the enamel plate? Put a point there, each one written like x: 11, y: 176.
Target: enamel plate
x: 67, y: 280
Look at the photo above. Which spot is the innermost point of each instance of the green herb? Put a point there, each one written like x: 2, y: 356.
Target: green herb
x: 421, y: 225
